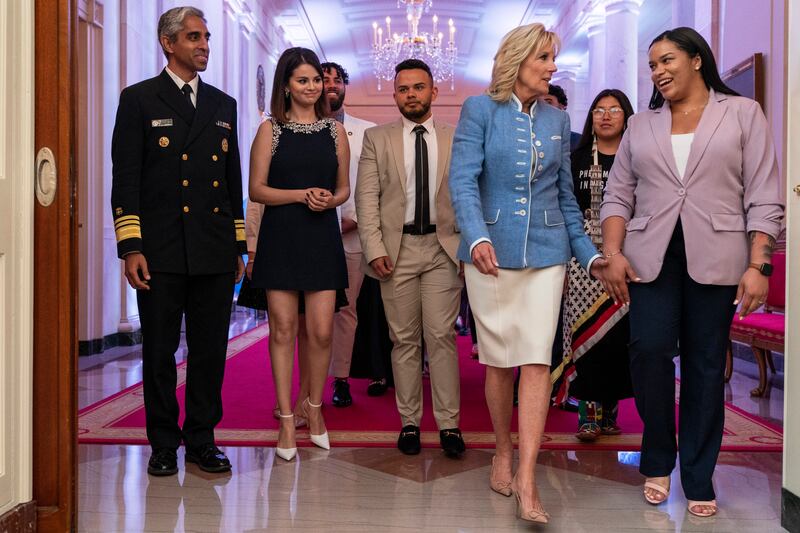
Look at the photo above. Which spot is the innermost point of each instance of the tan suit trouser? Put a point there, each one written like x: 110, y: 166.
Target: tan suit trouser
x: 422, y: 297
x: 346, y: 320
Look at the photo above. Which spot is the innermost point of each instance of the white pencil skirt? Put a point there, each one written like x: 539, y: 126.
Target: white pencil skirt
x: 516, y: 314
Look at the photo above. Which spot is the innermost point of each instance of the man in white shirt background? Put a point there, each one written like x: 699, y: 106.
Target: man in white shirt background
x: 335, y: 80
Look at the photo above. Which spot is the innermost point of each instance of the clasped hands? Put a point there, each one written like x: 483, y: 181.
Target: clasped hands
x: 613, y: 272
x: 317, y: 199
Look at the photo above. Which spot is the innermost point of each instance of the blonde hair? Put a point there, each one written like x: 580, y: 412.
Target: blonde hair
x: 515, y: 48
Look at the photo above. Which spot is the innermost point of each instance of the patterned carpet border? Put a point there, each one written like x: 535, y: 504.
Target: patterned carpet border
x: 743, y: 431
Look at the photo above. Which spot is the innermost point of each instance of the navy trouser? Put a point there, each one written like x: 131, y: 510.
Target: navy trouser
x: 206, y: 302
x: 674, y: 314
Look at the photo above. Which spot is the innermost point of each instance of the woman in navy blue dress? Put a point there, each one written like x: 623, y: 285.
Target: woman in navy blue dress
x: 299, y: 168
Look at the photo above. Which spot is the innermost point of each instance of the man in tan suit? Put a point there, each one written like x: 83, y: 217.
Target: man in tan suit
x: 407, y: 229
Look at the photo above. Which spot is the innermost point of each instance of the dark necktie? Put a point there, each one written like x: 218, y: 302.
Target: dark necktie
x: 422, y: 209
x: 187, y: 92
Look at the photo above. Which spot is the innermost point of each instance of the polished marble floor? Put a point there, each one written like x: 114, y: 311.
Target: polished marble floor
x: 375, y: 489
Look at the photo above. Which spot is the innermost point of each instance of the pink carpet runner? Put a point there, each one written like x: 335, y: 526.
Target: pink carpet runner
x: 248, y: 400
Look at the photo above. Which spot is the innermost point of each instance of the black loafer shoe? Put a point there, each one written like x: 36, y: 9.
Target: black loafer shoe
x: 209, y: 458
x: 408, y: 442
x: 452, y: 442
x: 163, y: 462
x: 341, y: 393
x: 377, y: 387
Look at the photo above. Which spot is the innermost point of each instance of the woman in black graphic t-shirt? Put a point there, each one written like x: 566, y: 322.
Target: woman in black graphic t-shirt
x: 595, y: 367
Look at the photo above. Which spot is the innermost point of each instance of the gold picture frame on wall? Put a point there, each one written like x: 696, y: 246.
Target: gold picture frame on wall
x: 747, y: 78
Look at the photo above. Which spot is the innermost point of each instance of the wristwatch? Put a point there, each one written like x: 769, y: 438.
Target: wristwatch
x: 764, y: 268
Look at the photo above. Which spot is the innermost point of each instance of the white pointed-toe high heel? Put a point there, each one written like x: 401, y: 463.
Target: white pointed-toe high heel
x: 322, y: 440
x: 287, y: 454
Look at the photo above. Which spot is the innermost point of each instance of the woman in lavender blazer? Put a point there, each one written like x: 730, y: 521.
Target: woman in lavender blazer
x: 690, y: 215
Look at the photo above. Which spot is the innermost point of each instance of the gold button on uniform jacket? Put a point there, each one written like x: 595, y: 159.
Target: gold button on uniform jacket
x: 177, y: 183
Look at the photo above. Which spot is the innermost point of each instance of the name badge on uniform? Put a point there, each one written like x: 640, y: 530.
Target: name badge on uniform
x: 161, y: 123
x: 555, y: 138
x: 223, y: 125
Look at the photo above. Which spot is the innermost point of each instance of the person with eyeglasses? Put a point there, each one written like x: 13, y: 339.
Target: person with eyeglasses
x: 595, y: 368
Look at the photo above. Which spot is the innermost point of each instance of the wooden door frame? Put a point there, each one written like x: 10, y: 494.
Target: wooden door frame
x: 55, y: 273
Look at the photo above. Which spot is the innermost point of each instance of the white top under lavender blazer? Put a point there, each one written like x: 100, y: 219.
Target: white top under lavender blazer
x: 731, y: 187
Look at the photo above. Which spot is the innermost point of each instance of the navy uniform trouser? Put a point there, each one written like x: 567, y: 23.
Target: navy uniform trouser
x: 205, y: 300
x: 669, y: 316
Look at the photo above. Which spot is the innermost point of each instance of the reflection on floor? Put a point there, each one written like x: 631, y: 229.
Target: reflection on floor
x: 374, y: 489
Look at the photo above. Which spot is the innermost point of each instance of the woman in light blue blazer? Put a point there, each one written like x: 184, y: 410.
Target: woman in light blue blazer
x: 511, y: 187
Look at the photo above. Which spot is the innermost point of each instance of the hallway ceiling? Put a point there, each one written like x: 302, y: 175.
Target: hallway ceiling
x: 341, y: 31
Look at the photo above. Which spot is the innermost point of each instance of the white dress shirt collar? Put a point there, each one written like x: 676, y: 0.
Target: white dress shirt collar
x: 409, y: 125
x: 180, y: 83
x: 518, y: 103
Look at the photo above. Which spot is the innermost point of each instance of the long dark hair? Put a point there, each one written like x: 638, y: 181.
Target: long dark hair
x: 693, y: 44
x: 290, y: 59
x: 627, y: 109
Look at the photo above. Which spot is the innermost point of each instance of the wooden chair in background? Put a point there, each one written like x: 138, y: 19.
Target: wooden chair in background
x: 763, y: 330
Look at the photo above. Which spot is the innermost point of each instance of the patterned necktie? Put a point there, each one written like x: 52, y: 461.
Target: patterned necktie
x: 422, y: 209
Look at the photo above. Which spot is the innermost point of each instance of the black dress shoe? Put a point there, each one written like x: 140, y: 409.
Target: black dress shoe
x: 377, y: 387
x: 408, y: 442
x: 209, y: 458
x: 341, y: 393
x: 163, y: 462
x: 452, y: 442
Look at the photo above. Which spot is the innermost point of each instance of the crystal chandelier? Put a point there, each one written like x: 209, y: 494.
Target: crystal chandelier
x: 389, y: 49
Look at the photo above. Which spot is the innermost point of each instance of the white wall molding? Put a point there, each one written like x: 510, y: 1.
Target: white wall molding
x: 16, y: 250
x: 791, y: 395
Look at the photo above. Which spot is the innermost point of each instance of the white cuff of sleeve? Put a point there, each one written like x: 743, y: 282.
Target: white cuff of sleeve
x: 476, y: 243
x: 589, y: 265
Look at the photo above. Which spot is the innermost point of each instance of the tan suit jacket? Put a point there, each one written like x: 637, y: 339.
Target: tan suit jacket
x: 381, y: 193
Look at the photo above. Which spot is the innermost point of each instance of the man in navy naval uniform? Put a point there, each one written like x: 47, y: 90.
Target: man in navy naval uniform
x: 177, y: 203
